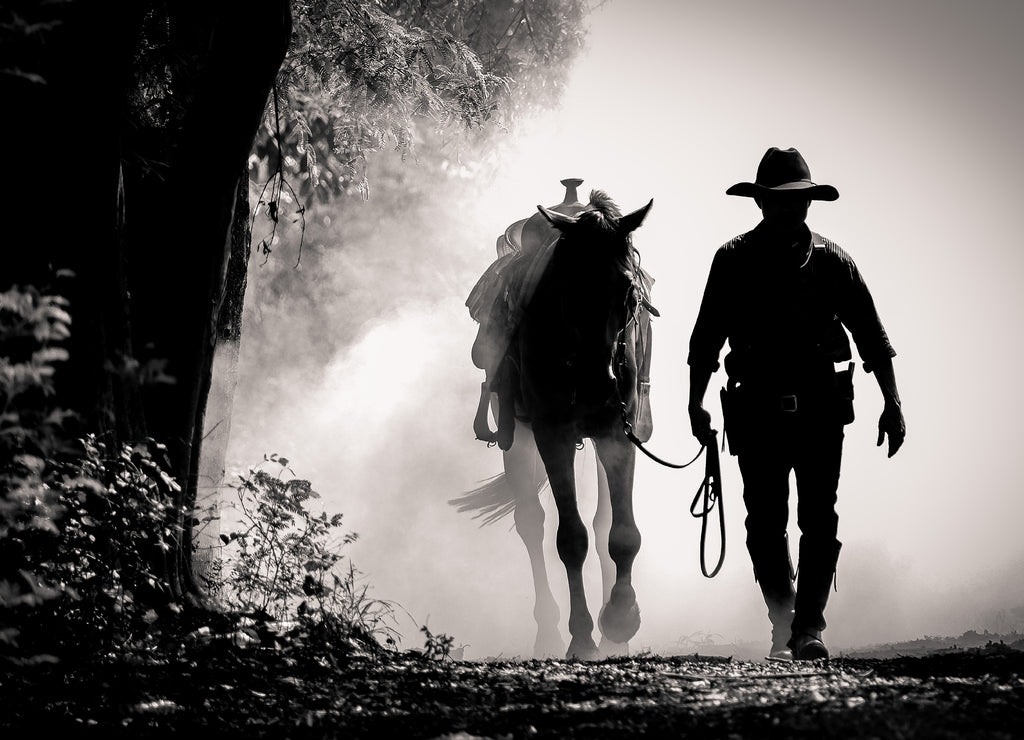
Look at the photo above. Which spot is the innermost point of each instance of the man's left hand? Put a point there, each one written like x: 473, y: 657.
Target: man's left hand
x: 891, y: 424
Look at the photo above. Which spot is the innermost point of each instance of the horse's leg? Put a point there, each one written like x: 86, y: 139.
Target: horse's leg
x: 620, y: 617
x: 525, y: 473
x: 557, y: 447
x: 602, y: 531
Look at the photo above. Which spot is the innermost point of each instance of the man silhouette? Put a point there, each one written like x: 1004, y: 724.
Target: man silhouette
x: 784, y: 297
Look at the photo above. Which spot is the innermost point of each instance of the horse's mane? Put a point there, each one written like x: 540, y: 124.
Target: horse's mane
x: 601, y: 202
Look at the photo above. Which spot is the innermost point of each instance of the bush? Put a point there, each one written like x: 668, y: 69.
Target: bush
x: 284, y: 563
x: 86, y: 567
x: 87, y: 529
x: 80, y: 525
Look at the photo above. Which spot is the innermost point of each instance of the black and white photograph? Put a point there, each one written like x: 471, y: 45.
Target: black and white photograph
x: 492, y: 369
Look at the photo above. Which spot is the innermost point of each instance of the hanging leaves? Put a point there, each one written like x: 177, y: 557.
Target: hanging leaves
x: 363, y: 76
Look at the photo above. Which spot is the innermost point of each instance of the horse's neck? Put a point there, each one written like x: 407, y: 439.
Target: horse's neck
x: 589, y: 297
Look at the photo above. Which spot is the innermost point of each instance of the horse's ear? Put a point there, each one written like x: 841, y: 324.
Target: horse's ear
x: 558, y: 220
x: 632, y: 221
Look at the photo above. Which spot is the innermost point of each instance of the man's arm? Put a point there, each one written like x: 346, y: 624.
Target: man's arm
x: 891, y: 421
x: 857, y: 312
x: 700, y: 418
x: 706, y: 342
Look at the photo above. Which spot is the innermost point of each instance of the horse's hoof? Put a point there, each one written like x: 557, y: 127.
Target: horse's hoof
x: 619, y: 622
x: 582, y: 649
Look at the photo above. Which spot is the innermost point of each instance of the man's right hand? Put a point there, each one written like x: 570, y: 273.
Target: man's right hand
x: 700, y: 425
x: 891, y: 424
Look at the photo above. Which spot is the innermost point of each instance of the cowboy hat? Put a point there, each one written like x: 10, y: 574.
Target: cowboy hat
x: 783, y: 170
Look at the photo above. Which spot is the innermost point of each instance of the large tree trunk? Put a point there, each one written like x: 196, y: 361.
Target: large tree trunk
x: 216, y: 427
x: 141, y: 250
x: 186, y: 260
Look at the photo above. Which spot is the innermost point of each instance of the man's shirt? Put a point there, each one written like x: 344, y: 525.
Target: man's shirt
x: 785, y: 313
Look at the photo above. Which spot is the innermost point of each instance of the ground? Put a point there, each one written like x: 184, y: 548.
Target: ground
x: 219, y: 688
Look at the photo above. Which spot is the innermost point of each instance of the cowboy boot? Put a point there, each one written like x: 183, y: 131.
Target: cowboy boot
x: 773, y: 571
x: 817, y: 568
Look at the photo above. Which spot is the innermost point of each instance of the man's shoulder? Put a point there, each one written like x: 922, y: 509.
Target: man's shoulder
x: 737, y: 244
x: 829, y: 249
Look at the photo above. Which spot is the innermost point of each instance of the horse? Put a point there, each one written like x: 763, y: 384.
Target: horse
x: 571, y: 372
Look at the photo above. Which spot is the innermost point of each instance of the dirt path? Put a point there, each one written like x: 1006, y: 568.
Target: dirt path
x: 277, y: 694
x: 701, y: 697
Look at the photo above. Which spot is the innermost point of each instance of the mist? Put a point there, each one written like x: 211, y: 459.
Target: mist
x: 356, y: 364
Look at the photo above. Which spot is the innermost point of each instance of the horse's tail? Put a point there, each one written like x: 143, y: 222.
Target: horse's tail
x: 492, y: 500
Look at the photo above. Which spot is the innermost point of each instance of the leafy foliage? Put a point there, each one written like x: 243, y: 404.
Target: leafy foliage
x: 84, y: 566
x: 85, y: 528
x: 80, y: 525
x: 437, y: 647
x: 33, y: 328
x: 362, y: 76
x: 283, y: 563
x: 29, y: 430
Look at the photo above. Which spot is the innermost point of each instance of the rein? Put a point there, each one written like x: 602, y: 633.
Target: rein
x: 711, y: 492
x: 708, y: 494
x: 628, y: 428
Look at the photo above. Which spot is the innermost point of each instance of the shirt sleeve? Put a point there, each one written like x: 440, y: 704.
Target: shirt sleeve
x: 859, y: 315
x: 711, y: 328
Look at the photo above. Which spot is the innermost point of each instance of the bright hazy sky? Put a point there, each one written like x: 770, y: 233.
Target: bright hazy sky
x: 913, y: 109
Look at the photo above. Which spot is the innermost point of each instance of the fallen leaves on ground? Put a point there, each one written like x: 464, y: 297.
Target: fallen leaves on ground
x: 289, y: 692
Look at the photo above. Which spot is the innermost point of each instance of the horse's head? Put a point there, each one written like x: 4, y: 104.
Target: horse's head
x: 589, y: 300
x: 595, y: 249
x: 600, y: 226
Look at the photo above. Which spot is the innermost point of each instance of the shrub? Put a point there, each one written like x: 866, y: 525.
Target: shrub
x: 80, y: 524
x: 284, y: 563
x: 87, y: 529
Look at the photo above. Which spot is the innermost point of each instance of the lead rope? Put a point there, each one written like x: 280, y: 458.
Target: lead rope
x: 710, y: 492
x: 628, y: 428
x: 708, y: 495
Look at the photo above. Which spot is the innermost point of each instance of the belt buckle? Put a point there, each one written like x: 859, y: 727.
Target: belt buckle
x: 789, y: 404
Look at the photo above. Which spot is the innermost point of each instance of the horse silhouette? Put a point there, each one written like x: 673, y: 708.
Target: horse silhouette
x: 564, y: 348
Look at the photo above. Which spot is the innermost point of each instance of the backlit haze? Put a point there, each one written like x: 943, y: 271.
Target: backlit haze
x: 912, y: 109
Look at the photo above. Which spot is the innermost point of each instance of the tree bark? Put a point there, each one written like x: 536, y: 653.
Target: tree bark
x: 189, y: 266
x: 140, y: 247
x: 216, y: 427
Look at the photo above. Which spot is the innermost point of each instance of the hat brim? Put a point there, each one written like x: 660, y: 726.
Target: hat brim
x: 809, y: 190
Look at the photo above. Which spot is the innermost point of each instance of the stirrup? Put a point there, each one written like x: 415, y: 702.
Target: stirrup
x: 481, y: 427
x: 483, y: 432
